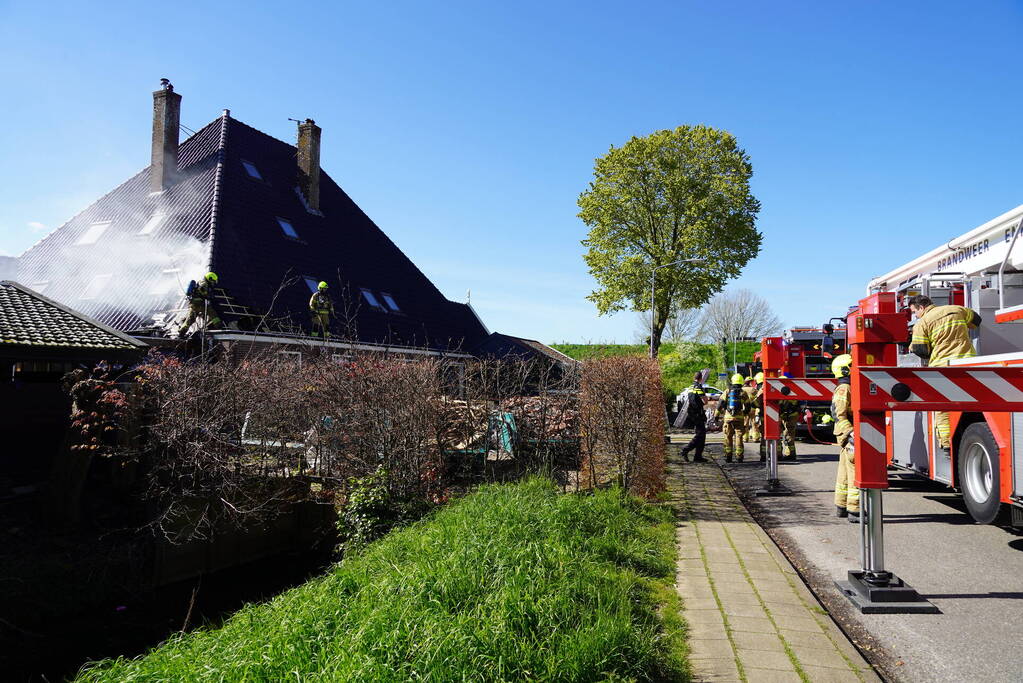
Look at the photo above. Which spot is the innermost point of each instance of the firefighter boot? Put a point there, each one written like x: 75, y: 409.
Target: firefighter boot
x: 841, y: 511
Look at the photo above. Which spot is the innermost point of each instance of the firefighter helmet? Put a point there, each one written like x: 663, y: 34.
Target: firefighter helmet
x: 759, y: 378
x: 737, y: 378
x: 322, y: 286
x: 211, y: 276
x: 842, y: 365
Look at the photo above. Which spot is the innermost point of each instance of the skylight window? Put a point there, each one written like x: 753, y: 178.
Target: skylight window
x: 287, y: 227
x: 251, y: 169
x: 168, y: 281
x: 391, y: 303
x: 95, y: 286
x: 371, y: 299
x: 312, y: 283
x: 153, y: 223
x: 93, y: 232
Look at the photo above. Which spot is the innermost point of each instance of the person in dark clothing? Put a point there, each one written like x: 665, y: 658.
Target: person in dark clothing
x: 697, y: 417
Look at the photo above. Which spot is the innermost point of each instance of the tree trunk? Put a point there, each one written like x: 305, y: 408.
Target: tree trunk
x: 660, y: 318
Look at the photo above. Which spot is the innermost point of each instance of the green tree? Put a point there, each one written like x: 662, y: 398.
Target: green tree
x: 671, y: 195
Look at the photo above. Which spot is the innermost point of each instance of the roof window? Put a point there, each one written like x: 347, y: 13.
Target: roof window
x: 251, y: 169
x: 168, y: 281
x: 95, y: 286
x: 153, y: 223
x: 93, y: 232
x: 287, y: 227
x: 371, y: 299
x: 391, y: 303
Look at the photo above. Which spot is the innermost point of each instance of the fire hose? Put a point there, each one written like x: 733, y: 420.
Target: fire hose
x: 808, y: 420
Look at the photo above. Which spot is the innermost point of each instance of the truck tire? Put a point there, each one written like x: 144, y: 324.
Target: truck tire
x: 978, y: 473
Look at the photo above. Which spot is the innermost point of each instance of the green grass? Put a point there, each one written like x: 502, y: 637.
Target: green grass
x: 513, y: 582
x: 679, y: 362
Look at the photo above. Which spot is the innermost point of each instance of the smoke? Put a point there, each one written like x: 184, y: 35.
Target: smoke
x: 140, y: 263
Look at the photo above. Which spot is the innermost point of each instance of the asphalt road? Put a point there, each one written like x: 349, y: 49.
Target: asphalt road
x: 973, y: 573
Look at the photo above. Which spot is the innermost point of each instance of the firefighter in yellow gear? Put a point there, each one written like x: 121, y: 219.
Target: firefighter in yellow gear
x: 733, y: 409
x: 320, y: 310
x: 847, y: 495
x: 788, y: 417
x: 754, y: 430
x: 200, y: 304
x: 942, y: 334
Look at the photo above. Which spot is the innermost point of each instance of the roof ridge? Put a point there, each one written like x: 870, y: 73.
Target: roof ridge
x: 113, y: 190
x: 218, y: 179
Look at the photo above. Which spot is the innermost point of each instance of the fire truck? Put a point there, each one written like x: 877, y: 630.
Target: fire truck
x: 982, y: 270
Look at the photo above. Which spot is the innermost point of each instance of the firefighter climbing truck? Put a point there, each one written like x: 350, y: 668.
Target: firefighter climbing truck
x: 982, y: 270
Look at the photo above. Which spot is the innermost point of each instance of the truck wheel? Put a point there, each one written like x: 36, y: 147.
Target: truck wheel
x: 978, y: 473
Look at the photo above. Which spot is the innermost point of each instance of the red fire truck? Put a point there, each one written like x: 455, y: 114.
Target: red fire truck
x: 982, y: 270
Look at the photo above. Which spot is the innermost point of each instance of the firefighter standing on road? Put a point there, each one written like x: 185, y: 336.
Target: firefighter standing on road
x: 734, y: 406
x: 788, y: 418
x: 847, y: 496
x: 320, y: 310
x: 751, y: 431
x: 200, y: 304
x: 942, y: 334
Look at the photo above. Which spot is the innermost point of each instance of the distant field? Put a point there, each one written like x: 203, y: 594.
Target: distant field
x: 514, y: 582
x: 679, y: 362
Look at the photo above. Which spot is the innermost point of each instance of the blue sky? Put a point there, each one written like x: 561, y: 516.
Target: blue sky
x: 466, y: 130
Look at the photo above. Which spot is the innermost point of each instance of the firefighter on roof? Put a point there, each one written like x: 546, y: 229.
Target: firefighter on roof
x: 200, y: 304
x: 320, y: 310
x: 942, y: 334
x: 734, y: 406
x: 847, y: 496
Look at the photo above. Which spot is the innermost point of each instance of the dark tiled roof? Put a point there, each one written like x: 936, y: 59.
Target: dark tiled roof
x: 505, y: 345
x: 30, y: 319
x: 218, y: 217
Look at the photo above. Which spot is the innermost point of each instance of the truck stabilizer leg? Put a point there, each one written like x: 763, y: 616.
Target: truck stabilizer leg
x: 773, y: 486
x: 873, y: 590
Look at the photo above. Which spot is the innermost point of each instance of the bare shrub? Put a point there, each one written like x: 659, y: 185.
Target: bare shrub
x: 229, y: 442
x: 622, y: 424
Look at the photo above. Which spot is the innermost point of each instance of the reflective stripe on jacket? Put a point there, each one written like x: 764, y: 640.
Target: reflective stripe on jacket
x: 841, y: 411
x: 945, y: 331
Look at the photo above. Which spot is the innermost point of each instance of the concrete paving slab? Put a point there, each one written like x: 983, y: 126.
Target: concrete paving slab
x: 742, y: 598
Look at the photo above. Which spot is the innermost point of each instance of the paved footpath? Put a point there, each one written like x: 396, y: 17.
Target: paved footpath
x: 750, y: 616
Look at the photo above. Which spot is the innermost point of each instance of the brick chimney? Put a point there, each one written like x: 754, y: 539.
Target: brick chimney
x: 166, y: 119
x: 309, y: 163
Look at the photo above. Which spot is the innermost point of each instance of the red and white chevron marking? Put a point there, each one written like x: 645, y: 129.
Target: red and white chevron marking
x: 944, y: 389
x: 799, y: 389
x: 791, y: 389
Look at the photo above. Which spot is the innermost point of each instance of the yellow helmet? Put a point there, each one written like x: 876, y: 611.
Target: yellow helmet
x: 211, y: 276
x: 322, y: 286
x: 842, y: 365
x: 738, y: 379
x: 759, y: 378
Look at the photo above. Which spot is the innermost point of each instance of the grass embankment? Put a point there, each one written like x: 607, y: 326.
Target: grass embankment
x: 512, y: 582
x: 678, y: 361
